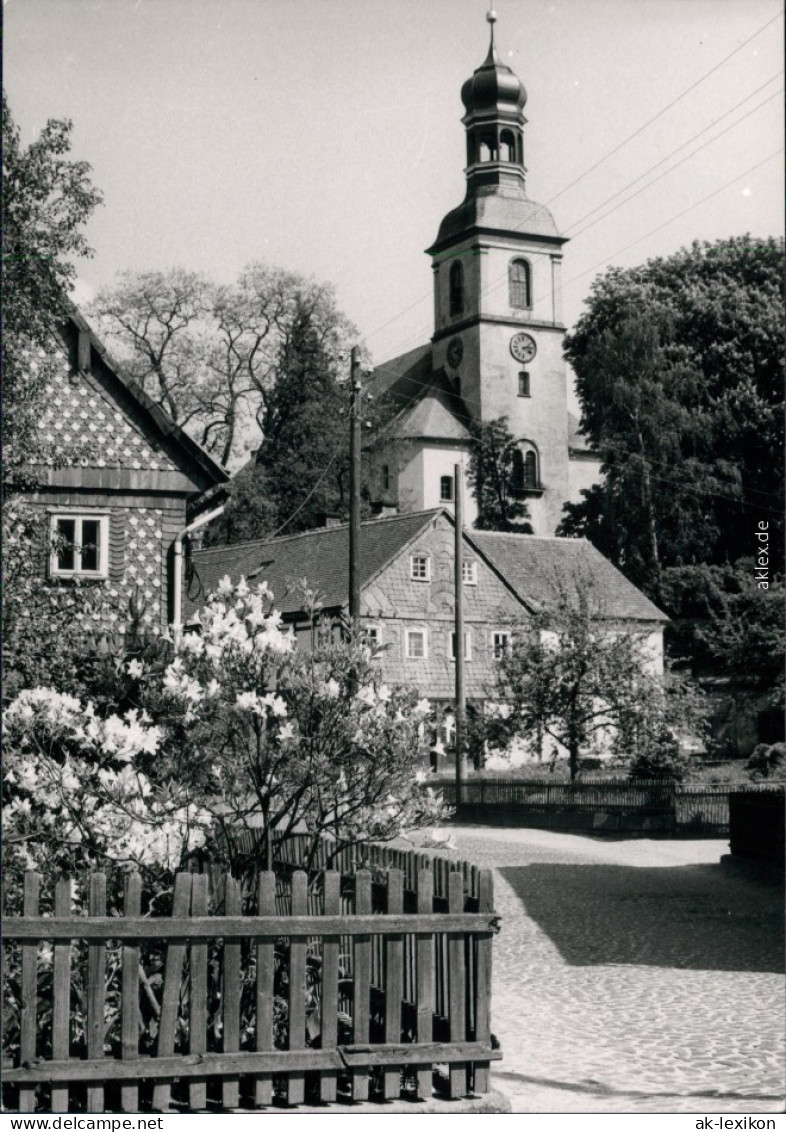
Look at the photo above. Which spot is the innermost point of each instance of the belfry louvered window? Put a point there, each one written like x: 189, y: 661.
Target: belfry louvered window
x: 456, y: 285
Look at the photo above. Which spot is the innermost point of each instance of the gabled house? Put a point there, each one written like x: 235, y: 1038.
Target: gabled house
x: 120, y: 480
x: 407, y: 591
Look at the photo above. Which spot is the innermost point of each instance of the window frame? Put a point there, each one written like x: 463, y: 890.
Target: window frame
x: 371, y: 636
x: 495, y: 652
x: 527, y: 383
x: 78, y: 517
x: 425, y: 558
x: 408, y: 635
x: 467, y: 645
x: 456, y: 289
x: 443, y: 482
x: 384, y: 477
x: 525, y: 283
x: 469, y: 572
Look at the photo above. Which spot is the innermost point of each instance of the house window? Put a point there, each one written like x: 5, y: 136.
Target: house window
x: 371, y: 637
x: 524, y: 384
x: 469, y: 573
x: 420, y: 568
x: 80, y: 546
x: 416, y: 645
x: 446, y: 488
x: 385, y: 477
x: 500, y: 643
x: 467, y: 646
x: 456, y: 288
x: 520, y: 291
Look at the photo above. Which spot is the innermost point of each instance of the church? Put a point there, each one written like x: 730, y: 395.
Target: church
x: 496, y: 351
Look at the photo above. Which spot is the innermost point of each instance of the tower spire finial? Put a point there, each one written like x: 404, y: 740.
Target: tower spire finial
x: 491, y: 16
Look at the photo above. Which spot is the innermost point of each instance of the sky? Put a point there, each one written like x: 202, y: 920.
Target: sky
x: 325, y: 136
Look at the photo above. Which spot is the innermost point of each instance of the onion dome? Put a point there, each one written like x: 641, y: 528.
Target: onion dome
x: 493, y: 86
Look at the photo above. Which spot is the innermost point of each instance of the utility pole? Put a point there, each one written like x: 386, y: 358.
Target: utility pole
x: 354, y: 489
x: 461, y: 757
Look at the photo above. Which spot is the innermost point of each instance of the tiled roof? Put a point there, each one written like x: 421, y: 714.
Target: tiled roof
x: 404, y: 377
x: 320, y: 556
x: 537, y: 568
x: 497, y: 209
x: 430, y: 418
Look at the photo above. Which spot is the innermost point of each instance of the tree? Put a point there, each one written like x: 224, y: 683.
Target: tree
x: 492, y: 468
x: 587, y: 684
x: 209, y: 354
x: 301, y: 468
x: 46, y: 200
x: 678, y: 372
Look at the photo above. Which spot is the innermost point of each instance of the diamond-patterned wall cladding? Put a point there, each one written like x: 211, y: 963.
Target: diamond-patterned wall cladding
x: 144, y: 562
x: 85, y: 427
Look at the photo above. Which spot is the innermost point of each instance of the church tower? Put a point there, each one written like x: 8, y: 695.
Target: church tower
x: 496, y: 350
x: 497, y: 323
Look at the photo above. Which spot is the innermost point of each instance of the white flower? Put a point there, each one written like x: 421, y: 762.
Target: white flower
x: 135, y: 669
x: 225, y: 586
x: 287, y: 731
x: 247, y: 701
x: 422, y: 707
x: 384, y: 694
x: 276, y: 704
x: 367, y: 696
x: 332, y: 689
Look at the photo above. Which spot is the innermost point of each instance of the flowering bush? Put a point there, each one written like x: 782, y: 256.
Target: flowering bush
x: 276, y: 741
x: 75, y: 795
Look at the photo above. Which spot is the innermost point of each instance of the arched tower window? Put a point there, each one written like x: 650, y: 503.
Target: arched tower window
x: 507, y: 146
x: 470, y: 148
x: 519, y: 284
x: 488, y: 147
x: 456, y: 287
x: 524, y: 473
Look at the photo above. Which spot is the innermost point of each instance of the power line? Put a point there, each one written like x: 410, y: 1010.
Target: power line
x: 652, y: 168
x: 661, y: 112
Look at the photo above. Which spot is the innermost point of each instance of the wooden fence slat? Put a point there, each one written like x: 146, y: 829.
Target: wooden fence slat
x: 61, y: 992
x: 425, y: 980
x: 96, y: 989
x: 361, y: 986
x: 170, y: 994
x: 483, y: 980
x: 457, y: 1013
x: 132, y: 906
x: 266, y: 902
x: 297, y: 989
x: 28, y: 1022
x: 197, y: 1021
x: 329, y: 1004
x: 394, y: 983
x: 231, y: 993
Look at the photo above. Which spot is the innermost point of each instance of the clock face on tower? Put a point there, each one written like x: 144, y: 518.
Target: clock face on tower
x: 455, y: 352
x: 523, y: 347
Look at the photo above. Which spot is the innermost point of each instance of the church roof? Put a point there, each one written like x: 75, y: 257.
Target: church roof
x: 502, y: 209
x: 431, y: 418
x: 539, y: 568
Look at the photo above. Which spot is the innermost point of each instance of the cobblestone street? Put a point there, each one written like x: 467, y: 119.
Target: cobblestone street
x: 633, y: 976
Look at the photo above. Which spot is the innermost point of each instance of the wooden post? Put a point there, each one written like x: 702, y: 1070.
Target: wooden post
x: 132, y: 906
x: 266, y: 906
x: 354, y: 490
x: 297, y: 988
x: 28, y: 1021
x: 461, y: 757
x: 170, y: 991
x: 197, y: 1022
x: 61, y: 993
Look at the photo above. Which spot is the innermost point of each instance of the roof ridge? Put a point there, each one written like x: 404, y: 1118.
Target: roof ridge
x: 319, y: 531
x: 532, y: 538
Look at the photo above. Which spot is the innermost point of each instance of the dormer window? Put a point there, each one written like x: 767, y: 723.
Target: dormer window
x: 456, y: 288
x: 420, y: 568
x: 519, y: 284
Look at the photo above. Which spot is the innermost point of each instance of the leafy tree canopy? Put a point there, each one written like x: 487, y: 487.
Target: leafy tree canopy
x: 47, y: 198
x: 492, y: 479
x: 678, y: 370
